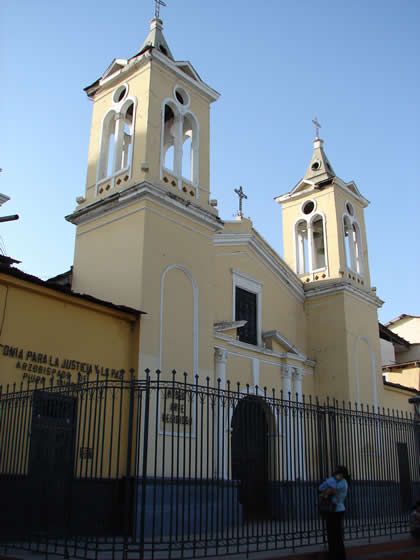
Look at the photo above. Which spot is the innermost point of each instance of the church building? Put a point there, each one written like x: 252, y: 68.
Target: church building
x: 220, y: 302
x: 184, y: 387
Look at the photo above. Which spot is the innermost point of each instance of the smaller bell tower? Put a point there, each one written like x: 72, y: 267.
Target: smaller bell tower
x: 323, y: 224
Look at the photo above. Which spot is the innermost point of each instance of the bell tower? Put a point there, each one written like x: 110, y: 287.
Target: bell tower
x: 323, y: 224
x: 150, y: 122
x: 325, y: 244
x: 149, y: 141
x: 145, y: 224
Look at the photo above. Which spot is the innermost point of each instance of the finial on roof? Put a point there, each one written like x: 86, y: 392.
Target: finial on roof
x: 158, y: 4
x: 317, y: 127
x: 241, y: 195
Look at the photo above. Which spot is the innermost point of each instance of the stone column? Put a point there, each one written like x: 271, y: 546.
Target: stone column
x: 287, y: 427
x: 220, y: 358
x: 177, y: 129
x: 118, y: 143
x: 286, y: 374
x: 297, y: 383
x: 255, y: 372
x: 299, y: 424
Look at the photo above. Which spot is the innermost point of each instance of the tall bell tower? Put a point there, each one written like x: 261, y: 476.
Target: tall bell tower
x: 323, y: 224
x: 325, y: 244
x: 146, y: 222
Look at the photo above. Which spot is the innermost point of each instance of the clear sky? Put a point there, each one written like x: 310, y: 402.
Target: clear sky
x: 278, y: 64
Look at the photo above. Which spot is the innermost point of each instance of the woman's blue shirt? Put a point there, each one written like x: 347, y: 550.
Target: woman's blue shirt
x: 341, y: 488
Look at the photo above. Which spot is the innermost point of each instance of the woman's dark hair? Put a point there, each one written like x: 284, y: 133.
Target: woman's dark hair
x: 341, y: 469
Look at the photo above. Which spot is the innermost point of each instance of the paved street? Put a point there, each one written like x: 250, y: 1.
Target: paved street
x: 403, y: 547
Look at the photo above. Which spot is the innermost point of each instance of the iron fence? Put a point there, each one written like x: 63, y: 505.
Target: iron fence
x: 165, y: 468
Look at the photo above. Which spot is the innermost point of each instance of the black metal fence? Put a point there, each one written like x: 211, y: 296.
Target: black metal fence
x: 162, y: 467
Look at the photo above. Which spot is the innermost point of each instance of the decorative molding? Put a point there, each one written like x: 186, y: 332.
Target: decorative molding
x: 222, y: 326
x: 195, y: 313
x: 264, y: 354
x: 148, y: 57
x: 281, y: 339
x: 220, y: 355
x: 286, y: 371
x: 314, y: 291
x: 296, y: 193
x: 145, y: 191
x: 274, y: 263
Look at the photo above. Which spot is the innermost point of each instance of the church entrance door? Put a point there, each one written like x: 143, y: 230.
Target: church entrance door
x: 250, y: 457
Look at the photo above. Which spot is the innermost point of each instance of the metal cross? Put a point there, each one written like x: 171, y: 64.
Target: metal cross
x: 241, y: 195
x: 317, y: 127
x: 158, y: 4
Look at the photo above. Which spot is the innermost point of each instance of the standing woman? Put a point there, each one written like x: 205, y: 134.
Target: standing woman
x: 336, y: 486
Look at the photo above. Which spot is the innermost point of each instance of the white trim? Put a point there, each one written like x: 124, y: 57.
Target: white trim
x: 296, y: 193
x: 352, y: 246
x: 195, y: 313
x: 315, y: 291
x: 250, y: 284
x: 308, y: 219
x: 147, y: 57
x: 305, y: 202
x: 262, y: 351
x: 183, y: 90
x: 256, y: 372
x: 204, y: 88
x: 274, y: 263
x: 180, y: 113
x: 145, y: 191
x: 281, y: 339
x: 118, y: 109
x: 144, y: 209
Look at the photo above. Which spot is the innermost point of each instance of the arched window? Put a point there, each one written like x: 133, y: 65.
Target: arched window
x: 348, y: 242
x: 106, y: 156
x: 116, y: 145
x: 180, y: 138
x: 168, y: 138
x: 127, y: 139
x: 318, y: 242
x: 352, y: 241
x: 302, y: 256
x: 357, y: 241
x: 189, y: 148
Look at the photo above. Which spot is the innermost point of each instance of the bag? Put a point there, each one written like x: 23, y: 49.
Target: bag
x: 325, y: 504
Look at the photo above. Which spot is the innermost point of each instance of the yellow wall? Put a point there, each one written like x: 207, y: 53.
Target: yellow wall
x: 47, y: 335
x: 408, y: 376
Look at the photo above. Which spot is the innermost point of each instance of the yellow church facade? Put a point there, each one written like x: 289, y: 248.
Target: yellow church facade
x: 207, y: 419
x: 149, y: 236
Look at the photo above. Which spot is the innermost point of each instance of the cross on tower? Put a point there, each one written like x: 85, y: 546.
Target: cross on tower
x: 241, y: 195
x: 158, y: 4
x: 317, y: 127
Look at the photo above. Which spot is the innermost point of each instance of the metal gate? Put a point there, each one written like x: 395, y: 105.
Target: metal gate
x: 165, y: 467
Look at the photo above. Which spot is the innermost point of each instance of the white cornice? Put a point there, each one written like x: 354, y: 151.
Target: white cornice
x: 341, y: 286
x: 262, y: 351
x: 276, y: 265
x: 144, y: 58
x: 281, y: 339
x: 210, y: 92
x: 145, y: 191
x: 297, y: 192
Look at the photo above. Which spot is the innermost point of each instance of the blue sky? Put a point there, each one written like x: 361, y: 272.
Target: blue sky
x: 276, y: 63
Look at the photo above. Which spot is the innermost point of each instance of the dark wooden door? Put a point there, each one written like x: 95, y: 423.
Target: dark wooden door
x: 51, y: 458
x: 250, y: 457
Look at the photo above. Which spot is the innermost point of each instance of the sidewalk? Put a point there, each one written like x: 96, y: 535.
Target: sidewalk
x: 401, y: 547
